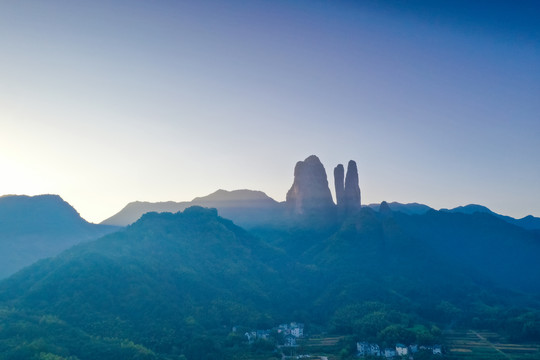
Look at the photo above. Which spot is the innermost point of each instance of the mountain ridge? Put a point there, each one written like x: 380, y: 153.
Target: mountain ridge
x: 528, y: 222
x: 197, y: 272
x: 244, y: 199
x: 173, y: 284
x: 36, y: 227
x: 308, y: 197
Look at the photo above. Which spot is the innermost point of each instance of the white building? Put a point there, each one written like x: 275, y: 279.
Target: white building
x: 362, y: 348
x: 297, y: 331
x: 389, y: 353
x: 283, y: 327
x: 263, y: 334
x: 375, y: 350
x: 290, y: 340
x: 365, y: 349
x: 251, y: 336
x: 402, y: 350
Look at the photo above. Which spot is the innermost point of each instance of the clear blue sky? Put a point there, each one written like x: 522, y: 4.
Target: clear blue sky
x: 107, y: 102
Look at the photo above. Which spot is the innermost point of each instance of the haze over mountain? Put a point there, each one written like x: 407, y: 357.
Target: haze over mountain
x: 173, y: 285
x: 411, y: 209
x: 145, y: 102
x: 158, y: 283
x: 32, y: 228
x: 308, y: 195
x: 246, y: 207
x: 528, y: 222
x: 426, y: 104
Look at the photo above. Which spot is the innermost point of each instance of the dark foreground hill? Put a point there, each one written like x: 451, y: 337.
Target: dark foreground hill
x: 173, y: 285
x: 159, y: 283
x: 488, y: 246
x: 36, y: 227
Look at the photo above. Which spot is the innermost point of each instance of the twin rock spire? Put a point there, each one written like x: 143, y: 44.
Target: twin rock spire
x: 310, y: 192
x: 348, y: 193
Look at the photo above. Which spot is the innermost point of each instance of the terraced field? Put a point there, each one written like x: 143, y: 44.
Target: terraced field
x: 484, y: 345
x: 322, y: 341
x: 324, y: 348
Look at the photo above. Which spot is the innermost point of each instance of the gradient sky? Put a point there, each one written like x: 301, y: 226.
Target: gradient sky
x: 107, y: 102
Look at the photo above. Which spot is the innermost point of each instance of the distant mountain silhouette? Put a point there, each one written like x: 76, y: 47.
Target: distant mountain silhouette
x: 411, y: 208
x: 237, y: 198
x: 246, y: 207
x: 308, y: 201
x: 528, y: 222
x: 134, y: 210
x: 469, y: 209
x: 35, y: 227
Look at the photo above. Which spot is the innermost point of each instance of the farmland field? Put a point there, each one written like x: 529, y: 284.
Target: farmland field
x: 485, y: 345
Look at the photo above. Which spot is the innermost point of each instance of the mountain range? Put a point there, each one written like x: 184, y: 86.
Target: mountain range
x: 246, y: 207
x: 175, y: 285
x: 251, y: 208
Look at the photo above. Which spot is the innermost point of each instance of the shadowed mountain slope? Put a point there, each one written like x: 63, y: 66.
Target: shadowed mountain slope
x: 166, y: 275
x: 503, y: 253
x: 170, y: 280
x: 35, y: 227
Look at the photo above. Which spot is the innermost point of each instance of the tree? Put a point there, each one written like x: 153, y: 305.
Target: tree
x: 394, y: 334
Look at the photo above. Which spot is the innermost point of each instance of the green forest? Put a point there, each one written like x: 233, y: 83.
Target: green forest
x: 190, y: 285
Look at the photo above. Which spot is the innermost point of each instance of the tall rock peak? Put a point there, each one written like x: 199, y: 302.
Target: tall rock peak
x: 339, y: 179
x: 309, y: 192
x: 351, y: 193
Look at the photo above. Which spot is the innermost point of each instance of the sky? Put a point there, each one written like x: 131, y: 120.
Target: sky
x: 108, y: 102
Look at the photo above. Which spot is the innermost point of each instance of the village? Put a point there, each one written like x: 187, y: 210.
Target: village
x: 289, y: 334
x: 368, y: 349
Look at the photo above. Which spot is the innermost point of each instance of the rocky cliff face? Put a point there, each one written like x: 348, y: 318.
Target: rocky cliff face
x: 351, y: 196
x: 348, y: 191
x: 310, y: 192
x: 339, y: 178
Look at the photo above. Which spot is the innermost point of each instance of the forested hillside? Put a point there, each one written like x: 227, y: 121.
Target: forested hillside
x: 174, y: 285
